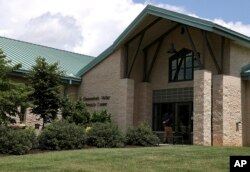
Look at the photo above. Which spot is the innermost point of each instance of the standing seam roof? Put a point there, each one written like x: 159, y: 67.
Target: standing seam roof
x: 26, y: 54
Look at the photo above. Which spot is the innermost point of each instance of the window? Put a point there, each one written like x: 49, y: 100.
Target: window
x: 182, y: 66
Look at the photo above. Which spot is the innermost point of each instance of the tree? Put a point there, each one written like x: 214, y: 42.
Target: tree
x: 46, y: 81
x: 13, y: 96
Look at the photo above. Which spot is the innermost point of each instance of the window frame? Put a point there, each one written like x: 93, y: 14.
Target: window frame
x: 182, y: 55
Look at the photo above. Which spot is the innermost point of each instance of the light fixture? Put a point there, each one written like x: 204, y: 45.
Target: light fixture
x: 172, y: 49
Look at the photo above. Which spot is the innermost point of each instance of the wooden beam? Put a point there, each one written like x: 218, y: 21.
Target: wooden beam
x: 222, y: 53
x: 144, y: 30
x: 204, y: 47
x: 154, y: 59
x: 189, y: 37
x: 136, y: 53
x: 212, y: 55
x: 178, y: 66
x: 145, y: 66
x: 162, y: 36
x: 126, y: 61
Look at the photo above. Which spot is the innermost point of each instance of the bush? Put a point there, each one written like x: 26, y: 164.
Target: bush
x: 16, y: 141
x: 141, y: 136
x: 105, y: 135
x: 75, y: 112
x: 62, y: 135
x: 102, y: 116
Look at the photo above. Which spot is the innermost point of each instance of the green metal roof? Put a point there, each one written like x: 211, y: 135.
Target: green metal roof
x: 26, y: 54
x: 173, y: 16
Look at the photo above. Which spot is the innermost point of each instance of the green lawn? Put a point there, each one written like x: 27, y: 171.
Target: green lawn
x: 167, y: 158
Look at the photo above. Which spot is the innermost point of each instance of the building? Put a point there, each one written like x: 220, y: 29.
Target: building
x: 165, y: 61
x: 26, y: 54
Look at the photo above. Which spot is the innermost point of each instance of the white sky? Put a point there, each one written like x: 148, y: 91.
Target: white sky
x: 82, y: 26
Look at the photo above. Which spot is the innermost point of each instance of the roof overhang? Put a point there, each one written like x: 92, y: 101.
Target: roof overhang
x: 66, y: 79
x: 172, y: 16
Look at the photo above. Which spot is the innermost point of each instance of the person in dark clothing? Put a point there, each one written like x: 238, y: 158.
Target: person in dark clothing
x: 167, y: 123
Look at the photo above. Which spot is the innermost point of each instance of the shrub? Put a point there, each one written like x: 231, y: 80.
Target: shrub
x: 102, y: 116
x: 16, y: 141
x: 62, y: 135
x: 141, y: 136
x: 81, y: 114
x: 30, y: 134
x: 75, y: 112
x: 105, y: 135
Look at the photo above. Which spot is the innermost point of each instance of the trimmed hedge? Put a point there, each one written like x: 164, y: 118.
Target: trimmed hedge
x: 141, y: 136
x: 16, y: 141
x: 62, y: 135
x: 105, y: 135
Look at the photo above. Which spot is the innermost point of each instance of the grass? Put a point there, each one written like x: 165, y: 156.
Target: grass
x: 167, y: 158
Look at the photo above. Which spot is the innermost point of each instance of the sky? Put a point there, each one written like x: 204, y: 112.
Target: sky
x: 90, y: 26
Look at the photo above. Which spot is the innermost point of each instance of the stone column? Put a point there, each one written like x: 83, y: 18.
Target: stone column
x: 231, y: 111
x: 217, y: 110
x: 227, y: 111
x: 126, y: 104
x: 202, y: 108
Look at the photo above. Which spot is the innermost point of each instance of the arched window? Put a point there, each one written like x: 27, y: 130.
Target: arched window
x: 182, y: 66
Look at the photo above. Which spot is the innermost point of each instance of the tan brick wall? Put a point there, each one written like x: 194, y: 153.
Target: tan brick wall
x: 105, y: 80
x: 31, y: 120
x: 144, y: 104
x: 202, y: 108
x: 72, y: 91
x: 239, y: 57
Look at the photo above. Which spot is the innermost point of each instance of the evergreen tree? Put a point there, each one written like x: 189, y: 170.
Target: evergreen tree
x: 13, y: 96
x: 46, y: 81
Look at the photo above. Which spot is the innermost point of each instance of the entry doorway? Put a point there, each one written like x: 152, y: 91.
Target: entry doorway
x: 182, y: 118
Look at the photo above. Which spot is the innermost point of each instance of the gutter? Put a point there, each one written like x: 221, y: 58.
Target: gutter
x: 66, y: 79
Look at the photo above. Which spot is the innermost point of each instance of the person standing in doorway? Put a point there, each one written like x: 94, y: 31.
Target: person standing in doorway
x: 167, y: 123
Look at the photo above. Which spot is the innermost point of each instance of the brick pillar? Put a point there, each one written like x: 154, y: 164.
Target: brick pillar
x: 217, y: 110
x: 145, y: 103
x: 202, y: 108
x: 227, y: 111
x: 126, y: 104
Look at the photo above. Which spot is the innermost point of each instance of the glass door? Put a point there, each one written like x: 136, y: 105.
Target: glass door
x: 182, y: 118
x: 183, y: 121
